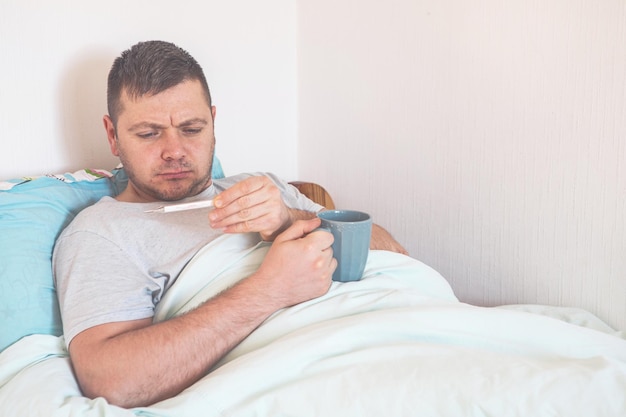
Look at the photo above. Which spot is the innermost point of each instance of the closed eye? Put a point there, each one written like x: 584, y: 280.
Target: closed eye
x: 193, y: 126
x: 191, y: 131
x: 148, y: 135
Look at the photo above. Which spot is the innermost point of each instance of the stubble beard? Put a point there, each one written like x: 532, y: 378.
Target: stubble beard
x: 173, y: 189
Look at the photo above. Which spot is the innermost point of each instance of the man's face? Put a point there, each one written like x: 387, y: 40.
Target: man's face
x: 165, y: 143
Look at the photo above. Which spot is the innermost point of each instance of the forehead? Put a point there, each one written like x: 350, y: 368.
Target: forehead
x: 186, y: 99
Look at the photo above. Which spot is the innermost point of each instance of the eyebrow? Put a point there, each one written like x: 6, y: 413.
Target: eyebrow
x: 194, y: 121
x: 145, y: 125
x: 150, y: 125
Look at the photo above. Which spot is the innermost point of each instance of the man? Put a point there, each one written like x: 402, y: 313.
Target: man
x: 115, y: 261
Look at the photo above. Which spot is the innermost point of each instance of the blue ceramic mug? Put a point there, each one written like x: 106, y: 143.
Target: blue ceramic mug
x: 352, y: 231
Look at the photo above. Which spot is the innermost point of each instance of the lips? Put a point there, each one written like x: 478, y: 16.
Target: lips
x: 176, y: 175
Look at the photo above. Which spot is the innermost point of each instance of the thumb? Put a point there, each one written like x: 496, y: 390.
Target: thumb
x: 298, y: 229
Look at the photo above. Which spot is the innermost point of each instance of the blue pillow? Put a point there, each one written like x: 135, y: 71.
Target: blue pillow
x: 33, y: 212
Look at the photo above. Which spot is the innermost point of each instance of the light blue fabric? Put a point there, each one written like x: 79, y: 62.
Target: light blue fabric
x: 216, y: 170
x: 32, y: 214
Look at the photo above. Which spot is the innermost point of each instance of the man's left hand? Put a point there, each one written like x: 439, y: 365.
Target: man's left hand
x: 252, y: 205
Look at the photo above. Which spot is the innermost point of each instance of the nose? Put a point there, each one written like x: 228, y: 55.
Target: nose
x: 172, y: 146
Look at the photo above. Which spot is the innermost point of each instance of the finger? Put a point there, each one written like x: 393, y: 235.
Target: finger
x: 268, y: 219
x: 242, y: 188
x: 332, y: 266
x: 312, y: 224
x: 325, y: 235
x: 222, y: 219
x: 329, y: 269
x: 298, y: 230
x: 257, y: 203
x: 240, y: 224
x: 322, y: 239
x: 243, y: 208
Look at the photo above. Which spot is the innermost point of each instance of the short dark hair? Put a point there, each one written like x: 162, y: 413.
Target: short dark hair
x: 150, y: 68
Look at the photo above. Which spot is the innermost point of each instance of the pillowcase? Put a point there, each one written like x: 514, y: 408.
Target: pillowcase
x: 33, y: 212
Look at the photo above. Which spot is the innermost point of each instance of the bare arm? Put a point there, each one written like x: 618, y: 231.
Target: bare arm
x: 137, y: 363
x: 382, y: 239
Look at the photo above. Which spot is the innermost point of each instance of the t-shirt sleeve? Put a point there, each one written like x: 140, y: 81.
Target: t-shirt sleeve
x: 292, y: 197
x: 92, y: 292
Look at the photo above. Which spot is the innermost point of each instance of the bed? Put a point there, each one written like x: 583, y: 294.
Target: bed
x: 396, y: 343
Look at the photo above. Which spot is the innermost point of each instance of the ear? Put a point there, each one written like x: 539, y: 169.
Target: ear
x: 111, y: 136
x: 213, y: 112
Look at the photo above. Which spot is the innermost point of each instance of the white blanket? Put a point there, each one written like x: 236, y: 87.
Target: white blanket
x: 397, y: 343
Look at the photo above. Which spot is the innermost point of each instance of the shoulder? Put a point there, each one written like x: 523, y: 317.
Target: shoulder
x: 94, y: 211
x: 100, y: 217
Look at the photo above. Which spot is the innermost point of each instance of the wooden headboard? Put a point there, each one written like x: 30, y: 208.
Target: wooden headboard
x: 316, y: 193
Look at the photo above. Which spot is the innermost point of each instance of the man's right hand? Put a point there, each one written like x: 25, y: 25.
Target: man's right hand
x: 299, y: 265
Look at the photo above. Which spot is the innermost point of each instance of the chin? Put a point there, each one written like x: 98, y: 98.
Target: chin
x: 181, y: 191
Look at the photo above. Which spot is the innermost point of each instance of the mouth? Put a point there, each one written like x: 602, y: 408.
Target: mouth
x: 175, y: 175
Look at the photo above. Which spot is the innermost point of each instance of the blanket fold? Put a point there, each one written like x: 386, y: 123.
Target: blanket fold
x: 396, y: 343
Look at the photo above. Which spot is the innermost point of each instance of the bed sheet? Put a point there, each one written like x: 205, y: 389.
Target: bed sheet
x: 397, y: 343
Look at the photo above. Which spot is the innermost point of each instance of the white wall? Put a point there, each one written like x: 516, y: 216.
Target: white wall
x: 56, y: 56
x: 488, y: 136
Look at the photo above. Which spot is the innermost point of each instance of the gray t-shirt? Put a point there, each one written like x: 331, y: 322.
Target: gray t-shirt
x: 115, y: 262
